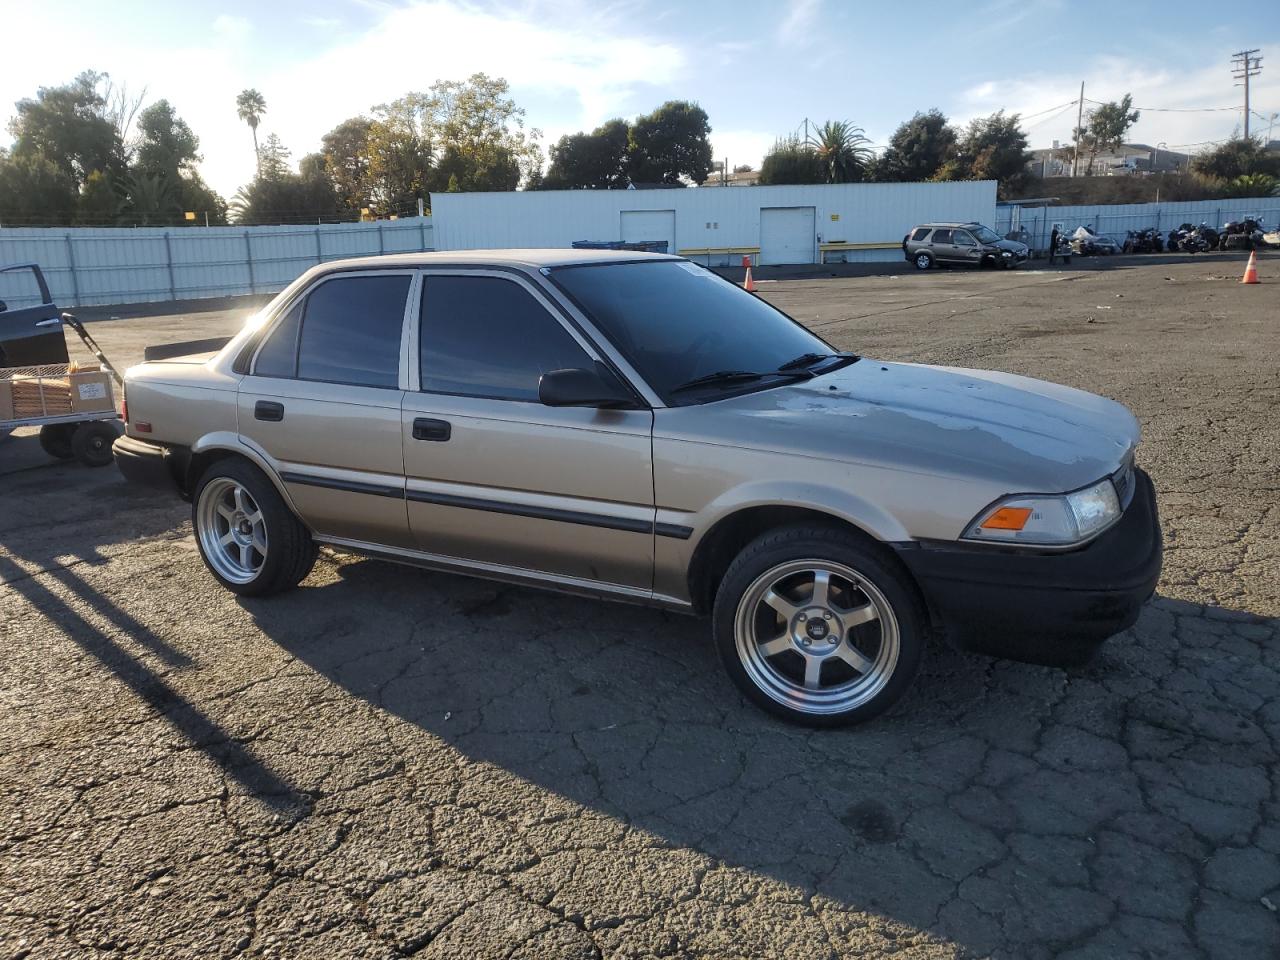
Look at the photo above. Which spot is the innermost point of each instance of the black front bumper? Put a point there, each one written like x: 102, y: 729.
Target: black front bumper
x: 145, y: 463
x: 1053, y: 608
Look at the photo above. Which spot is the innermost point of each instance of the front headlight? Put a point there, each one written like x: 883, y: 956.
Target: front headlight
x: 1005, y: 253
x: 1050, y: 520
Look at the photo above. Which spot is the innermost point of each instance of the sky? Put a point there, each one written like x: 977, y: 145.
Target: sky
x: 758, y: 68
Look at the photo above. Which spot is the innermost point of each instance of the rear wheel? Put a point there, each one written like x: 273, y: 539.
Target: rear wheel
x: 923, y: 261
x: 816, y: 627
x: 248, y: 537
x: 55, y: 440
x: 91, y: 442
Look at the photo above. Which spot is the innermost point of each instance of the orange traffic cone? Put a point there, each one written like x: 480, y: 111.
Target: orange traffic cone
x: 1250, y: 272
x: 750, y: 285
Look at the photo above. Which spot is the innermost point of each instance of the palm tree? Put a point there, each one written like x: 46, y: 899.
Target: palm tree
x: 250, y: 106
x: 841, y: 148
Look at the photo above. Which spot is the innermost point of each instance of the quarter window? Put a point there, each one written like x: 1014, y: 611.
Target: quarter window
x: 920, y: 234
x: 279, y: 355
x: 351, y: 331
x: 488, y: 337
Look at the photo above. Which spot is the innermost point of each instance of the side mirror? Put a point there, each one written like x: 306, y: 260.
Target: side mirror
x: 597, y: 387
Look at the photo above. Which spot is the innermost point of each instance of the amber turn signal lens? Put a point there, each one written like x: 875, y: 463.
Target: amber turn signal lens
x: 1008, y: 518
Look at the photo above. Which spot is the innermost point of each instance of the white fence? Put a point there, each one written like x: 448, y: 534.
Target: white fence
x: 1113, y: 220
x: 86, y: 265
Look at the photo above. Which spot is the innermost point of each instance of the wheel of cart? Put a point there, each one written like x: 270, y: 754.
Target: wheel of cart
x: 73, y: 406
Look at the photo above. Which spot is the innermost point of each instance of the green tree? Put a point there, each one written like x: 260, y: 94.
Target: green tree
x: 153, y: 200
x: 250, y: 107
x: 918, y: 149
x: 278, y: 195
x: 99, y: 203
x: 1237, y: 157
x: 670, y: 145
x: 166, y: 145
x: 67, y: 126
x: 790, y: 161
x: 1252, y: 185
x: 991, y: 148
x: 35, y: 190
x: 346, y: 151
x: 842, y: 152
x: 1106, y: 128
x: 478, y: 133
x: 399, y: 155
x: 595, y: 160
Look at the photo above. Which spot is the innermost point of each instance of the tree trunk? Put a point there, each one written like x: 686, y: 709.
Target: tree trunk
x: 257, y: 154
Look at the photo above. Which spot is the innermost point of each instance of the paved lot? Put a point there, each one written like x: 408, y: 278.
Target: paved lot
x: 389, y: 762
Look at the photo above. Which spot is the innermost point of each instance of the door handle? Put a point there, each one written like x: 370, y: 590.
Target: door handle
x: 427, y: 429
x: 55, y: 322
x: 268, y: 410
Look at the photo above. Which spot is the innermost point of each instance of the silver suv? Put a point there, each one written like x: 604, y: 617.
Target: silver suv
x: 633, y: 427
x: 967, y: 244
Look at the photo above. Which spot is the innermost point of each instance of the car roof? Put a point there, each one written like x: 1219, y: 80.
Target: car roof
x: 529, y: 258
x: 951, y: 223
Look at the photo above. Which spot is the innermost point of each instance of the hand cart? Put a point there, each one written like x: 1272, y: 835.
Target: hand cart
x: 74, y: 406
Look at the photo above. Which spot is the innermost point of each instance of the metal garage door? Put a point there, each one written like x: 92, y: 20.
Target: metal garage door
x: 650, y: 225
x: 787, y: 235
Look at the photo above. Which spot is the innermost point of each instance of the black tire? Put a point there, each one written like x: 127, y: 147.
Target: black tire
x: 736, y: 613
x: 55, y: 440
x: 923, y: 260
x: 290, y: 554
x: 91, y: 442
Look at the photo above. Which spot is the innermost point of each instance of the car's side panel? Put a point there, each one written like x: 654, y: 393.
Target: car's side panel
x: 180, y: 402
x: 567, y: 491
x: 337, y: 449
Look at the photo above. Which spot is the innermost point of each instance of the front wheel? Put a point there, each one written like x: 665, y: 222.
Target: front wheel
x: 248, y: 537
x: 923, y: 261
x: 816, y: 627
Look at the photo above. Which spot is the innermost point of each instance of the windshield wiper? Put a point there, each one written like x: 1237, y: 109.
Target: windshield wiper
x: 809, y: 359
x: 735, y: 376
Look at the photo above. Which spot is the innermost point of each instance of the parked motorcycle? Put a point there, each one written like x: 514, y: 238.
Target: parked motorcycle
x: 1089, y: 244
x: 1192, y: 239
x: 1144, y: 241
x: 1243, y: 234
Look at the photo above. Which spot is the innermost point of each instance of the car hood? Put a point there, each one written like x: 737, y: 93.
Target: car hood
x: 1013, y: 246
x: 1026, y: 435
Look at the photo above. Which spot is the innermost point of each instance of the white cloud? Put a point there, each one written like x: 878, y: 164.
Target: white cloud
x: 1183, y: 124
x: 797, y: 27
x: 741, y: 146
x: 589, y: 59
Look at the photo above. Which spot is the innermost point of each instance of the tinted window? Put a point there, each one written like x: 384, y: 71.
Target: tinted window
x: 942, y: 236
x: 486, y: 337
x: 675, y: 322
x: 351, y: 331
x: 920, y: 234
x: 964, y: 240
x: 279, y: 355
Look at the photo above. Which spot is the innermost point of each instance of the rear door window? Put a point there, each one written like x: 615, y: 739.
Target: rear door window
x: 351, y: 329
x: 942, y: 236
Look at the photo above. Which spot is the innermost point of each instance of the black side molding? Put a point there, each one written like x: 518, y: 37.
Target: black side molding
x: 351, y: 486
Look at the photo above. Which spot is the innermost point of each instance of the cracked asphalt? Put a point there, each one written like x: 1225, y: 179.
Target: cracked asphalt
x: 391, y: 763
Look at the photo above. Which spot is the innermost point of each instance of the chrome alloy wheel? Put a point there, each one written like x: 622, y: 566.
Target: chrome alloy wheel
x: 817, y: 636
x: 232, y: 530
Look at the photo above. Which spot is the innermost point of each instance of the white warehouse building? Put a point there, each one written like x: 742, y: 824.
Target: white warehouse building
x: 773, y: 225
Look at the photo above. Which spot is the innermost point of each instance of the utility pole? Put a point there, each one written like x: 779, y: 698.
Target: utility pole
x: 1075, y: 162
x: 1243, y: 66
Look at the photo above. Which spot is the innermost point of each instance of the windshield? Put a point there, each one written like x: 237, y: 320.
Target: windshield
x: 676, y: 322
x: 984, y: 234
